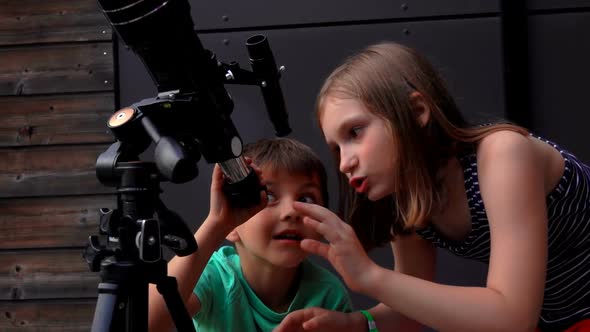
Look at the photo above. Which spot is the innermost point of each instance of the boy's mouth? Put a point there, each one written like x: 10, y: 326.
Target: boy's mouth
x: 293, y: 236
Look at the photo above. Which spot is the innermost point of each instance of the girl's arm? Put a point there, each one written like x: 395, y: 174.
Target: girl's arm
x: 512, y: 187
x: 413, y: 256
x: 416, y: 257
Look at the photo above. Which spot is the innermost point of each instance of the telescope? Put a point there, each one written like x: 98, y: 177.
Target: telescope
x: 189, y: 118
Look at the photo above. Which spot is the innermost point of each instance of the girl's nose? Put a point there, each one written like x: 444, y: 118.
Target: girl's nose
x: 347, y: 164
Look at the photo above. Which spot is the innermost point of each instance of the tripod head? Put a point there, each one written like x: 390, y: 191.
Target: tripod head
x: 191, y: 114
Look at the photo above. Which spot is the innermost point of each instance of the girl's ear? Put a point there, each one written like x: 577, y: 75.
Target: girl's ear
x: 420, y: 107
x: 233, y: 236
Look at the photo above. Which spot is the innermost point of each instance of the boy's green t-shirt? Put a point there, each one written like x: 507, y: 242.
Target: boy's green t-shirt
x: 229, y: 304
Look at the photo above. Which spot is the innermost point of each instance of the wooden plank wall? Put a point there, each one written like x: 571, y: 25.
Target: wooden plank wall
x: 56, y: 93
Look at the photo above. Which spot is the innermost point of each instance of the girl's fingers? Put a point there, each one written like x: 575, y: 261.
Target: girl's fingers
x: 325, y: 228
x: 293, y: 321
x: 315, y: 247
x: 318, y: 212
x: 313, y: 323
x: 316, y: 318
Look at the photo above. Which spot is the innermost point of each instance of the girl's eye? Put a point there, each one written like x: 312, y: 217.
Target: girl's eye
x: 355, y: 132
x: 307, y: 199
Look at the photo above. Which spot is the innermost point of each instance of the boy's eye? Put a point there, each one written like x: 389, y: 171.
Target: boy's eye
x: 307, y: 199
x: 271, y: 196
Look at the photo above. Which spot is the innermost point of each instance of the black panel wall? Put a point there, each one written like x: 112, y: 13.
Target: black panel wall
x: 463, y: 38
x: 560, y: 48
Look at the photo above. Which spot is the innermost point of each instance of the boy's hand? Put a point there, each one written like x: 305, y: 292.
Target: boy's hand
x: 221, y: 211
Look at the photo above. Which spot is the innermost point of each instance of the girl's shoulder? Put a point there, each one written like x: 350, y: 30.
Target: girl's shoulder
x: 505, y: 143
x: 504, y: 153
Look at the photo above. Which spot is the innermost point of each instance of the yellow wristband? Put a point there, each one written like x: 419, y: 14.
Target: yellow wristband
x: 370, y: 321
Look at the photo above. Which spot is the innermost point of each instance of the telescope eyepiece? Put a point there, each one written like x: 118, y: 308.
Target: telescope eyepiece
x: 265, y: 68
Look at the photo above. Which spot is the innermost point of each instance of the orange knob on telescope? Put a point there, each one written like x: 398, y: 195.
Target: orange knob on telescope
x: 121, y: 117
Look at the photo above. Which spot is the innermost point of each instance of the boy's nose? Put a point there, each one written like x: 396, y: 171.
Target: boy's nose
x: 288, y: 213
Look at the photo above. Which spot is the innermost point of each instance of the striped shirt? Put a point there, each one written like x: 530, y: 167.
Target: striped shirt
x: 567, y: 287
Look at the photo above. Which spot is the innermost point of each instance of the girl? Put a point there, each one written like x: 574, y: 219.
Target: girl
x: 420, y: 177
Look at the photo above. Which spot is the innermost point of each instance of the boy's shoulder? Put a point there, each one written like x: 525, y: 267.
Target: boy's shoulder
x: 224, y: 258
x: 225, y: 251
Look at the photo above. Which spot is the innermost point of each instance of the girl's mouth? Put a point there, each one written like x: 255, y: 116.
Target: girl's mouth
x: 360, y: 184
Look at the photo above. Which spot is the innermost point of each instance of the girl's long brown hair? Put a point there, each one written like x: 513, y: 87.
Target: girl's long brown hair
x: 382, y: 77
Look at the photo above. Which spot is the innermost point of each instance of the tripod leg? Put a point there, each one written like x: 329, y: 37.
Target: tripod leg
x: 105, y: 307
x: 168, y: 287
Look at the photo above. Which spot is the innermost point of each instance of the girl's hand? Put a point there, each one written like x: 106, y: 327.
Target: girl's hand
x: 344, y: 251
x: 221, y: 211
x: 317, y: 319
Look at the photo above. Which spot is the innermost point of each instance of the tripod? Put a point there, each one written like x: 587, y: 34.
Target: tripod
x: 190, y: 117
x: 132, y: 258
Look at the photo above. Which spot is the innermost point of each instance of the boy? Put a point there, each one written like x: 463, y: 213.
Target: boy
x: 254, y: 286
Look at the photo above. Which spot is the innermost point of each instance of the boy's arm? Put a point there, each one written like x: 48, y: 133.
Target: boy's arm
x: 187, y: 271
x: 222, y: 219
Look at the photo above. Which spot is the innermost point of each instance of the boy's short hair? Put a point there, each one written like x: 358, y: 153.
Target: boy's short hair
x: 291, y: 156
